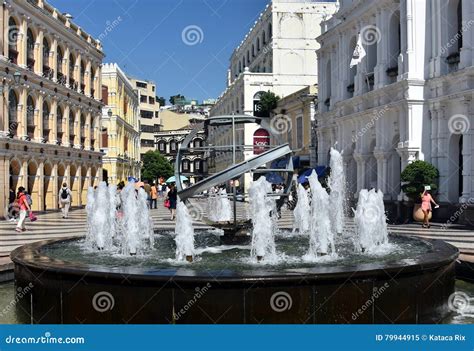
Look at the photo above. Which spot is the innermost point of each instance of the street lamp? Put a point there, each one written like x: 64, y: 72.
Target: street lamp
x: 109, y: 112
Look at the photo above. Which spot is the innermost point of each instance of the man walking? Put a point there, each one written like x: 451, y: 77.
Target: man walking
x: 65, y: 199
x: 154, y: 196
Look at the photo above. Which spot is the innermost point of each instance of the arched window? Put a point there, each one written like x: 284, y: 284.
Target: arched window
x: 162, y: 146
x: 173, y: 146
x: 197, y: 142
x: 327, y: 101
x: 270, y: 32
x: 30, y: 49
x: 257, y: 107
x: 71, y: 128
x: 198, y: 166
x: 83, y: 72
x: 30, y: 116
x: 46, y: 126
x: 353, y: 69
x: 46, y: 51
x: 248, y: 58
x: 12, y: 112
x: 72, y: 65
x: 185, y: 165
x: 91, y: 80
x: 258, y: 44
x: 12, y: 40
x: 59, y: 122
x: 264, y: 38
x: 59, y: 61
x: 253, y: 50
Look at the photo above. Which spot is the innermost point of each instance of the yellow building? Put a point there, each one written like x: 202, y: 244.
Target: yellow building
x: 171, y: 120
x: 50, y: 104
x: 148, y: 114
x: 120, y: 126
x: 299, y: 110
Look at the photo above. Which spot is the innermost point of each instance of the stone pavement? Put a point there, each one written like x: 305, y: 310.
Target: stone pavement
x: 52, y: 226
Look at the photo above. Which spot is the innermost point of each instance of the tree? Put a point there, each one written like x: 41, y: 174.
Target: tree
x: 175, y: 98
x: 416, y: 176
x: 156, y: 165
x: 161, y: 100
x: 268, y: 102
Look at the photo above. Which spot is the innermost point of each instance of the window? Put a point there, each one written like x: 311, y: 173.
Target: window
x: 12, y: 40
x: 59, y: 60
x: 185, y: 165
x: 141, y: 85
x: 105, y: 94
x: 46, y: 50
x: 147, y: 143
x: 30, y: 49
x: 151, y: 100
x: 143, y: 98
x: 12, y: 112
x: 105, y: 138
x: 162, y: 146
x: 30, y: 116
x: 153, y: 88
x: 173, y: 145
x: 146, y: 114
x: 299, y: 132
x: 45, y: 119
x: 157, y: 114
x: 197, y: 165
x: 59, y: 122
x: 125, y: 143
x: 147, y: 129
x: 72, y: 63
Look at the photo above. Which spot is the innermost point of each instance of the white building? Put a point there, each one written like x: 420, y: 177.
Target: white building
x: 410, y: 98
x: 278, y: 55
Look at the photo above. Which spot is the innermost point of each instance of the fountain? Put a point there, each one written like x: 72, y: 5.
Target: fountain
x: 262, y: 215
x: 327, y: 277
x: 301, y: 211
x: 219, y: 206
x: 321, y: 240
x: 184, y: 233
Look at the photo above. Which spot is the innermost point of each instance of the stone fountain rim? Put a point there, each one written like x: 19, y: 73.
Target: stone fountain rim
x: 30, y: 255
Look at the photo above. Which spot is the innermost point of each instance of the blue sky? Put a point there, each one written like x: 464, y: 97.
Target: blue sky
x: 148, y: 42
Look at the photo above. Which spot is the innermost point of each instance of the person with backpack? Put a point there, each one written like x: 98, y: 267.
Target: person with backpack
x: 65, y: 199
x: 24, y: 205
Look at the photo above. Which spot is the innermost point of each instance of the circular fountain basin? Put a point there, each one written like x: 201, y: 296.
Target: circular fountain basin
x: 408, y: 282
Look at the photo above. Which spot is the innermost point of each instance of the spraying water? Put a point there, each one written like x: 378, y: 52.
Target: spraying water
x: 184, y: 233
x: 370, y: 220
x: 337, y: 184
x: 263, y: 240
x: 219, y: 206
x: 225, y: 213
x: 321, y: 240
x: 302, y: 211
x: 132, y: 233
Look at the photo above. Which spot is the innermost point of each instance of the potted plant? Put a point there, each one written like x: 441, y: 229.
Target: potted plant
x: 415, y: 177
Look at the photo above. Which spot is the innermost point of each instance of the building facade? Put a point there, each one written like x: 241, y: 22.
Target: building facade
x: 193, y: 164
x: 410, y: 98
x: 50, y: 103
x: 149, y: 113
x: 277, y: 55
x: 120, y: 126
x: 299, y: 110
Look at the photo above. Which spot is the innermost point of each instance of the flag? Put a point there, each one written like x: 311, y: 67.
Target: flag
x: 358, y: 54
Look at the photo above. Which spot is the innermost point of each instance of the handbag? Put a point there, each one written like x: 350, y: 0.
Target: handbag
x: 167, y: 203
x: 32, y: 216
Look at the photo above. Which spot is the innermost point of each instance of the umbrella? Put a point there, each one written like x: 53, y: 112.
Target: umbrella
x: 274, y: 178
x: 173, y: 179
x: 320, y: 171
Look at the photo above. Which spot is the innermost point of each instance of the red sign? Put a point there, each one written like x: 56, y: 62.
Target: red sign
x: 261, y: 141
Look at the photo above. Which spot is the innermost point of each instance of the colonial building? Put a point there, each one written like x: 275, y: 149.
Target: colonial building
x: 120, y: 126
x: 278, y: 55
x: 297, y: 111
x: 149, y: 116
x: 410, y: 98
x: 193, y: 165
x: 49, y: 104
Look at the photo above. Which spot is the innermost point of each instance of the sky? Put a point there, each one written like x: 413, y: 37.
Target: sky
x: 184, y: 46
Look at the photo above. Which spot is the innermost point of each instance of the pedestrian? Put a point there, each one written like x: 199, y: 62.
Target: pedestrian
x: 154, y: 195
x: 22, y: 202
x: 426, y: 201
x: 65, y: 200
x: 173, y: 199
x: 165, y: 189
x: 160, y: 188
x: 147, y: 187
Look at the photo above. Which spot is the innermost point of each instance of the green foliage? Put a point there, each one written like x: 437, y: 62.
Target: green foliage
x: 415, y: 176
x: 268, y: 102
x: 156, y: 165
x: 175, y: 98
x: 161, y: 100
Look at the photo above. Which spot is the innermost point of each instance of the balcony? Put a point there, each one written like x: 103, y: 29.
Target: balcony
x: 392, y: 71
x: 30, y: 63
x: 13, y: 55
x: 48, y: 72
x: 83, y: 88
